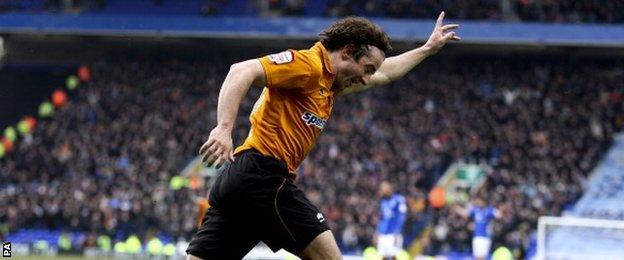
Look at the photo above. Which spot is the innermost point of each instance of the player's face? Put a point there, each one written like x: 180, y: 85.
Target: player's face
x: 385, y: 189
x: 479, y: 202
x: 358, y: 72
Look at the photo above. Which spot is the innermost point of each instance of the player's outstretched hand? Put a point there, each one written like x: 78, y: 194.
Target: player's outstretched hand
x: 218, y: 149
x: 442, y: 33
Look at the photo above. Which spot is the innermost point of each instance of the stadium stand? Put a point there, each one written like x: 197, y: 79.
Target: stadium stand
x: 605, y: 191
x: 602, y: 201
x: 541, y: 114
x: 559, y: 11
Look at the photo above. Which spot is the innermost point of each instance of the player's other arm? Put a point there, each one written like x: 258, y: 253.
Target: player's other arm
x: 401, y: 216
x: 462, y: 211
x: 219, y: 148
x: 394, y: 68
x: 497, y: 213
x: 239, y: 79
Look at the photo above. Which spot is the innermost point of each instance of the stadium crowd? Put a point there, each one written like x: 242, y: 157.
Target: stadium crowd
x: 543, y: 128
x: 103, y: 163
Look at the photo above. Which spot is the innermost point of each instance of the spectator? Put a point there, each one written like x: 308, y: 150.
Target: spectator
x: 94, y: 168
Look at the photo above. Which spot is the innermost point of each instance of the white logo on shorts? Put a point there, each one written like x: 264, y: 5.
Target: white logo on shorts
x: 320, y: 217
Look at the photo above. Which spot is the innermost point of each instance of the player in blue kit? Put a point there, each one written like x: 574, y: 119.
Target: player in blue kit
x: 393, y: 213
x: 481, y: 214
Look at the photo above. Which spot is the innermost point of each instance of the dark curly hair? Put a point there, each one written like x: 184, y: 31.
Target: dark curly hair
x: 358, y: 31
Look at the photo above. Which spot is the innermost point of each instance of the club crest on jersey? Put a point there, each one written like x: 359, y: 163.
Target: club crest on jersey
x: 282, y: 57
x: 312, y: 119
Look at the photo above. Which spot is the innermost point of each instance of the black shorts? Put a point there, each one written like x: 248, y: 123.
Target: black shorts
x: 253, y: 199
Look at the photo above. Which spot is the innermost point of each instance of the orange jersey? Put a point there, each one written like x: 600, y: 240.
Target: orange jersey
x: 294, y: 106
x: 202, y: 207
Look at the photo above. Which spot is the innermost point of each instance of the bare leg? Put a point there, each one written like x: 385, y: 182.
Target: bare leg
x: 192, y: 257
x: 322, y: 247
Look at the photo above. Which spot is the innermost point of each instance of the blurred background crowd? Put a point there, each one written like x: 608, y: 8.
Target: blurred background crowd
x: 103, y: 163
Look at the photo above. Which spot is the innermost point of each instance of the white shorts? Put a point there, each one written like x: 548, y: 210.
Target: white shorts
x: 481, y: 247
x: 389, y: 245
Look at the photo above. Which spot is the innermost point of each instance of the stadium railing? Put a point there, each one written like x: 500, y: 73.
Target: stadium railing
x: 542, y: 34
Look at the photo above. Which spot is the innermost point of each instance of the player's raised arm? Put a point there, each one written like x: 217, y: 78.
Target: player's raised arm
x: 462, y: 211
x: 219, y: 148
x: 394, y: 68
